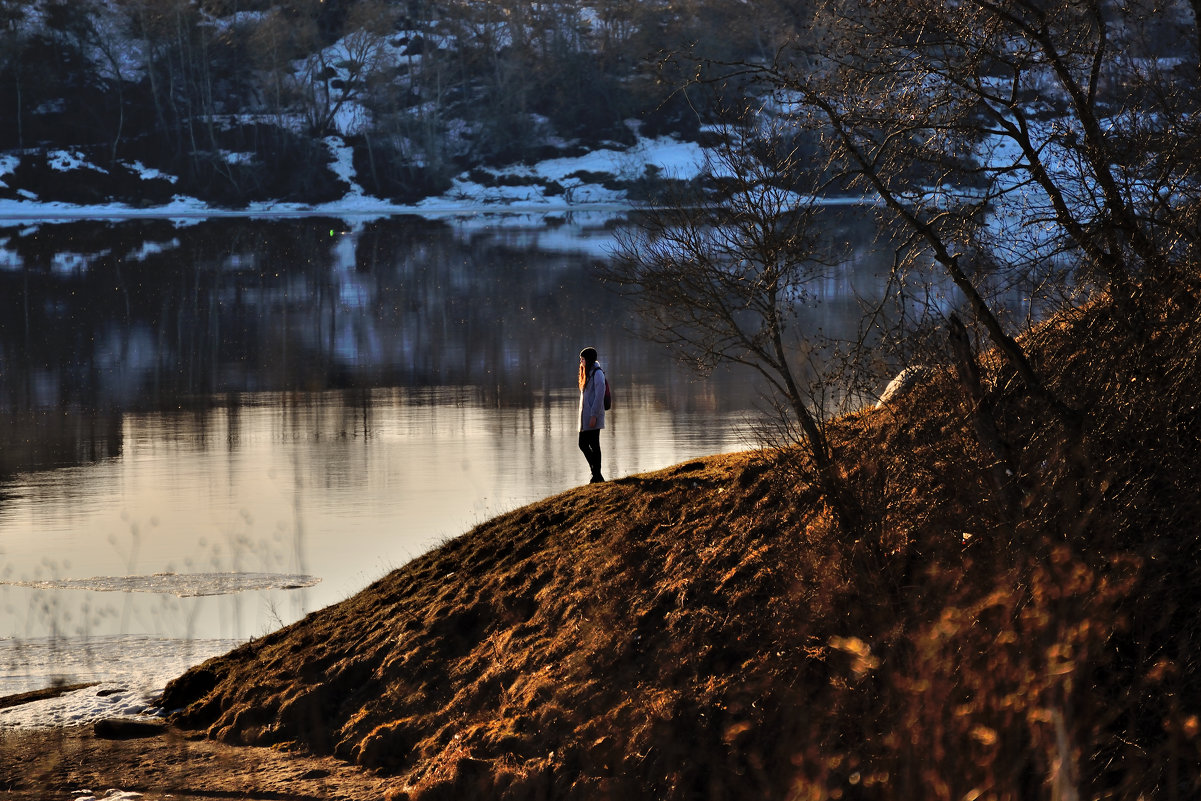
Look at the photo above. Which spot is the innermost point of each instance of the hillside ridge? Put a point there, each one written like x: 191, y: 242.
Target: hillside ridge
x: 706, y: 631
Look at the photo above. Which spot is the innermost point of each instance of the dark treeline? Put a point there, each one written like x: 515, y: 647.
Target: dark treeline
x: 234, y: 97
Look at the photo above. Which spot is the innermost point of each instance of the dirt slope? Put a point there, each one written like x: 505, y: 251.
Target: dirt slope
x: 560, y: 640
x: 704, y: 631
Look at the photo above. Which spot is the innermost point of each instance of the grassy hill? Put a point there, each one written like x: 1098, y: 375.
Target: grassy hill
x: 707, y: 632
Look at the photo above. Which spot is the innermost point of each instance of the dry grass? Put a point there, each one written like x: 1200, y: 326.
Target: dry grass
x: 706, y: 632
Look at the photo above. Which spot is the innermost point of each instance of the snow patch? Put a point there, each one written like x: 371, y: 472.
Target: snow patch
x: 8, y: 164
x: 672, y: 157
x: 68, y: 160
x: 149, y: 173
x: 342, y: 165
x: 230, y: 157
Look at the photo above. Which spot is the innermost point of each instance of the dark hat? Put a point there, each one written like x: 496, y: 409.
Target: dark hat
x: 588, y: 354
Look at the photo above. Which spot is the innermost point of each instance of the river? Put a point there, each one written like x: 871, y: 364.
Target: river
x: 211, y: 427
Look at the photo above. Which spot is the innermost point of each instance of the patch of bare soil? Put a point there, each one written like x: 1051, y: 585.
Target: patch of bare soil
x: 59, y: 763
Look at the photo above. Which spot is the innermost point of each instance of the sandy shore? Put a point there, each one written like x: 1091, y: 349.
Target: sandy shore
x: 48, y: 764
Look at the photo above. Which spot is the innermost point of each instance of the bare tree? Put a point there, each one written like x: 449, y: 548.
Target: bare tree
x: 1031, y: 154
x: 338, y: 76
x: 1034, y: 154
x: 1042, y: 134
x: 730, y: 278
x: 13, y: 41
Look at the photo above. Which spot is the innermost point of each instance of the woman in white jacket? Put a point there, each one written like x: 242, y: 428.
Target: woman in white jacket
x: 592, y: 410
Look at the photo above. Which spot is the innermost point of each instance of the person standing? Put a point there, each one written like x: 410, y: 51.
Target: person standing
x: 592, y: 410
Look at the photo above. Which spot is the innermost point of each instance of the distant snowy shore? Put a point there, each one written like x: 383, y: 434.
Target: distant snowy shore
x: 568, y: 185
x: 555, y: 185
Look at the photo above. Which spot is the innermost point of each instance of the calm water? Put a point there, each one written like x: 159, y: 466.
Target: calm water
x: 299, y: 401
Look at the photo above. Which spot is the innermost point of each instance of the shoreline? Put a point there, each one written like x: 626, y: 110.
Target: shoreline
x: 118, y: 214
x: 50, y: 212
x: 75, y: 762
x: 49, y: 683
x: 53, y: 691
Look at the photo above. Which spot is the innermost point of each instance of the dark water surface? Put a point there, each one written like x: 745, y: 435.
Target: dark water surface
x: 309, y: 402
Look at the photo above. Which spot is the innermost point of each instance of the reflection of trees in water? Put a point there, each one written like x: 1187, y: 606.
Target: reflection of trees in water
x: 98, y: 318
x: 141, y: 313
x: 42, y: 439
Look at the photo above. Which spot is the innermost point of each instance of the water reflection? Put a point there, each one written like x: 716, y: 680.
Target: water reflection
x: 341, y: 484
x: 311, y: 396
x: 128, y: 315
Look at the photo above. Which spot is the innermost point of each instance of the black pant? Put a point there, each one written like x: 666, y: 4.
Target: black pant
x: 590, y: 445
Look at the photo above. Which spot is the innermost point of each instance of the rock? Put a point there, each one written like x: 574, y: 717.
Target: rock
x: 904, y: 381
x: 128, y: 728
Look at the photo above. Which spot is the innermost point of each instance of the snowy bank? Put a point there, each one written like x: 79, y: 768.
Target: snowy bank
x: 568, y: 184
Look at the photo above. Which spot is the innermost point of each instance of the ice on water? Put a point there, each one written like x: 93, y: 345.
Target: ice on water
x: 129, y: 672
x: 181, y: 585
x: 125, y: 673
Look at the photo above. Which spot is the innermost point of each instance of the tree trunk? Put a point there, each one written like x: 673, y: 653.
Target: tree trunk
x: 996, y: 452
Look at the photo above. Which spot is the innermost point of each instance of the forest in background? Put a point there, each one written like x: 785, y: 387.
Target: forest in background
x: 231, y: 100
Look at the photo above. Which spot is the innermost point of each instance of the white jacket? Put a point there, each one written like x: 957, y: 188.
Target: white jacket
x: 592, y: 399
